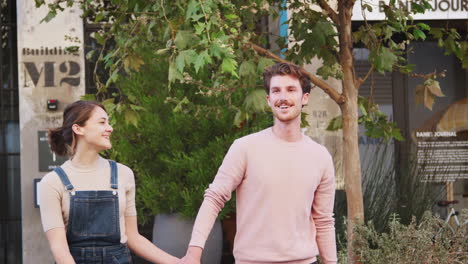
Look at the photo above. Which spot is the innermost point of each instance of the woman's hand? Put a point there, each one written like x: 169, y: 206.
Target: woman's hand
x: 143, y: 247
x: 192, y: 256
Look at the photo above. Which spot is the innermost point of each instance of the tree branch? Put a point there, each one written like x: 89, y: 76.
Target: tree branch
x: 362, y: 80
x: 431, y: 75
x: 350, y: 3
x: 337, y: 97
x: 330, y: 12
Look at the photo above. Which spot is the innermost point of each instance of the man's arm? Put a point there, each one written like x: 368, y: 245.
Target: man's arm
x: 229, y: 176
x: 322, y: 213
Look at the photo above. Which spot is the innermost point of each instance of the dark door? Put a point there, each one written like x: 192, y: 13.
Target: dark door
x: 10, y: 191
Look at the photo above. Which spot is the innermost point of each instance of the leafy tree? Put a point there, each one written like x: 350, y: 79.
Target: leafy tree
x: 220, y: 45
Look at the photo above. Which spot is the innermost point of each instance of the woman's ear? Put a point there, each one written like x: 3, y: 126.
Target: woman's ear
x: 77, y: 129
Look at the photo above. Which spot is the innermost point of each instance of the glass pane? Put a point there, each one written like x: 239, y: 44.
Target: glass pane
x: 5, y: 57
x: 10, y: 190
x: 10, y: 206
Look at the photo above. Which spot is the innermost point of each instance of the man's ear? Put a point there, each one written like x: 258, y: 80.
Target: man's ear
x: 77, y: 129
x: 305, y: 99
x: 268, y: 100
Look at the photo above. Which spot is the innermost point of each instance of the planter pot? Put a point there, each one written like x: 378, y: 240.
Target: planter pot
x: 172, y: 234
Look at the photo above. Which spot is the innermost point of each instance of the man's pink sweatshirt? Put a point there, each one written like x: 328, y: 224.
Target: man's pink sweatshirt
x: 284, y: 200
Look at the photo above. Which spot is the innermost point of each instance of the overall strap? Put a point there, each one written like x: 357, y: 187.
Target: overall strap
x: 64, y: 178
x: 113, y: 181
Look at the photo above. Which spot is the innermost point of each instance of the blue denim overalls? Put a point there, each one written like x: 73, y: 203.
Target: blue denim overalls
x: 93, y: 232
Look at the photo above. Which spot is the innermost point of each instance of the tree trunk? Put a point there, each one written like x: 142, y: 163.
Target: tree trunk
x: 349, y: 110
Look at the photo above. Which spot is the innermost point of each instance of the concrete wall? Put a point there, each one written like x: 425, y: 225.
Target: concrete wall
x: 320, y: 110
x: 45, y: 72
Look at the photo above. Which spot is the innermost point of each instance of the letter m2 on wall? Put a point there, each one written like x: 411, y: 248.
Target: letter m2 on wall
x: 47, y: 159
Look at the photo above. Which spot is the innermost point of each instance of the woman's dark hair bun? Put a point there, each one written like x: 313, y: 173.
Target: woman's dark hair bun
x: 57, y: 142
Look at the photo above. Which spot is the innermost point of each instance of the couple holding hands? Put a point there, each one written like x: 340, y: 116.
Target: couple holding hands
x: 284, y: 181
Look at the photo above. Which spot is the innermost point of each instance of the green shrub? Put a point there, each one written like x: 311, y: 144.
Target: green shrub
x: 179, y: 140
x: 428, y: 241
x: 388, y: 189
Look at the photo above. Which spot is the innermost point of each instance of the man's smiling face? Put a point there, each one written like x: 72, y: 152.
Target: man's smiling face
x: 286, y: 98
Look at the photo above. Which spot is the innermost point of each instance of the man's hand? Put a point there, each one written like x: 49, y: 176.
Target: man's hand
x: 193, y: 256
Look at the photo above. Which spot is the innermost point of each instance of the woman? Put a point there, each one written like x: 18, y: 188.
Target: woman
x: 88, y: 204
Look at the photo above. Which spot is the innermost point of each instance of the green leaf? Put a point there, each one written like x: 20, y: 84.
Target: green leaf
x: 426, y: 4
x: 440, y: 42
x: 131, y: 117
x: 99, y: 17
x: 363, y: 109
x: 199, y: 28
x: 423, y: 26
x: 99, y: 38
x: 383, y: 60
x: 264, y: 63
x: 90, y: 54
x: 88, y: 97
x: 113, y: 78
x: 231, y: 16
x: 72, y: 49
x: 133, y: 62
x: 367, y: 7
x: 52, y: 13
x: 247, y: 68
x: 137, y: 107
x: 109, y: 104
x: 229, y: 66
x: 396, y: 133
x: 418, y: 34
x: 180, y: 62
x: 335, y: 124
x: 162, y: 51
x: 185, y: 58
x: 416, y: 8
x: 215, y: 49
x: 320, y: 31
x: 239, y: 118
x: 437, y: 33
x: 256, y: 101
x: 330, y: 70
x: 192, y: 10
x: 174, y: 74
x: 182, y: 39
x: 39, y: 3
x: 180, y: 105
x: 190, y: 57
x: 406, y: 69
x: 201, y: 60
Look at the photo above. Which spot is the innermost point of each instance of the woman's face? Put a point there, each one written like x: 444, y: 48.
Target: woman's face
x: 97, y: 130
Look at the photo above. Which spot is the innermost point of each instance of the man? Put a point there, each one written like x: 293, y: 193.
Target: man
x: 284, y: 181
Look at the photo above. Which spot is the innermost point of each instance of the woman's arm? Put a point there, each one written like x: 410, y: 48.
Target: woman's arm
x: 59, y: 246
x: 143, y: 247
x: 50, y: 198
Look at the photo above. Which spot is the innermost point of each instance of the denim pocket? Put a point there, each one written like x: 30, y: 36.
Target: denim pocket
x: 94, y: 217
